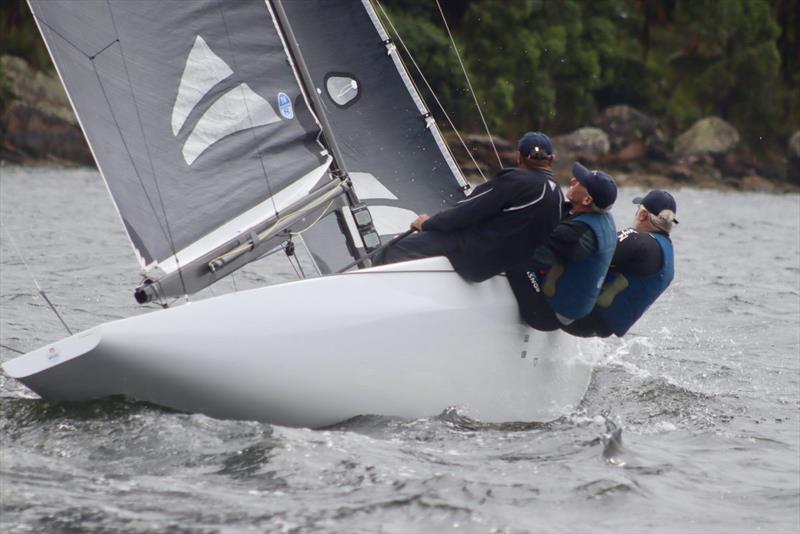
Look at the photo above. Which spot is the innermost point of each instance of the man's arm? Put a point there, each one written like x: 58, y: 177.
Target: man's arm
x: 486, y: 201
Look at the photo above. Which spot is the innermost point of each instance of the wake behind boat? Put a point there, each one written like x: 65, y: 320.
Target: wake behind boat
x: 228, y: 130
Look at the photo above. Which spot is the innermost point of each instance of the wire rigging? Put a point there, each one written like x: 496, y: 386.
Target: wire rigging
x: 91, y: 57
x: 469, y: 83
x: 431, y: 91
x: 35, y: 281
x: 12, y: 349
x: 147, y: 150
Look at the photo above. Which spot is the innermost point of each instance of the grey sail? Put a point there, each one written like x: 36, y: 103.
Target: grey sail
x: 195, y: 118
x: 389, y: 145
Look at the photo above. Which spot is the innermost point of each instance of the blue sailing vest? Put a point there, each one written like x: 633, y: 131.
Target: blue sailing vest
x: 572, y: 290
x: 619, y: 306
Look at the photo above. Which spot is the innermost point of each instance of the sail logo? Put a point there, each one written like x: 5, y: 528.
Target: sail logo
x: 285, y: 105
x: 240, y: 108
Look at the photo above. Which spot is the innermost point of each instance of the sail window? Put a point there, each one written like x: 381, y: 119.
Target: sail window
x: 343, y: 89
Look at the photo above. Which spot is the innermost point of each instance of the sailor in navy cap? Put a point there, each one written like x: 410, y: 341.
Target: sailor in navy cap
x: 643, y: 266
x: 497, y: 227
x: 564, y: 280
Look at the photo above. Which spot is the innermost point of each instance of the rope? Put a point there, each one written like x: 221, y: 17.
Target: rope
x: 466, y: 76
x: 146, y: 146
x: 324, y: 212
x: 11, y: 349
x: 431, y: 91
x: 300, y: 266
x: 92, y: 57
x: 289, y: 259
x: 268, y: 232
x: 302, y: 274
x: 36, y: 282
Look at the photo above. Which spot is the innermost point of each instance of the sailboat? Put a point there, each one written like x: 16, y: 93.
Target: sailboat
x: 227, y: 130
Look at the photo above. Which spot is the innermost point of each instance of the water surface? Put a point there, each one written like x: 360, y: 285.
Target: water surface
x: 691, y: 423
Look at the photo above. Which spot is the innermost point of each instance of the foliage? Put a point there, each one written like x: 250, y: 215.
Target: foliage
x: 19, y: 36
x: 553, y: 64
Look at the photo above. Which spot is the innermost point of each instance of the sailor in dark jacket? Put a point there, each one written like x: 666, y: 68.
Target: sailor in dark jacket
x: 642, y: 268
x: 564, y: 280
x: 492, y: 230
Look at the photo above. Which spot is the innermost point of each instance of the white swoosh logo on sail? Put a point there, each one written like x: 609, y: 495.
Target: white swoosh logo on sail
x: 238, y: 109
x: 204, y: 69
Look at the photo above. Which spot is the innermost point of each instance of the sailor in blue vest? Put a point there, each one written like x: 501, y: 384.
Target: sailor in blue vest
x: 498, y: 226
x: 564, y: 280
x: 642, y: 268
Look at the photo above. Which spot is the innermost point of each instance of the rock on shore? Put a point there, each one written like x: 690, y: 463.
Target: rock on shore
x: 711, y: 135
x: 37, y: 122
x: 636, y: 150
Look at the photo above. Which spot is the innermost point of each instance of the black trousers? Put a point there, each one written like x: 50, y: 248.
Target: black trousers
x: 533, y: 305
x: 590, y: 326
x: 416, y: 246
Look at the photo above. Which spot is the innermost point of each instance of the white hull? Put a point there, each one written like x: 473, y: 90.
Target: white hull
x: 405, y: 340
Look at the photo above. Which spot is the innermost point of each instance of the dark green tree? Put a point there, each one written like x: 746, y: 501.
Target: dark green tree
x: 728, y: 64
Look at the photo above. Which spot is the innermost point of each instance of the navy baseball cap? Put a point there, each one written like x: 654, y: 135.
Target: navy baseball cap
x: 657, y: 201
x: 535, y: 145
x: 600, y: 185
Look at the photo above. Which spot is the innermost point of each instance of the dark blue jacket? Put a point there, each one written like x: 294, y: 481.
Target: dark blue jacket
x: 572, y: 289
x: 499, y: 225
x: 625, y: 297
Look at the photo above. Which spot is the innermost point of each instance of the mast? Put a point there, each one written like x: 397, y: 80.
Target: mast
x: 359, y: 211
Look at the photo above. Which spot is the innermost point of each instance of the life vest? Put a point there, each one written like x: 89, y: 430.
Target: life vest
x: 572, y: 289
x: 625, y: 298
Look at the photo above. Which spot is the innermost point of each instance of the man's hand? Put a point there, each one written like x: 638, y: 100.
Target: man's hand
x: 417, y: 223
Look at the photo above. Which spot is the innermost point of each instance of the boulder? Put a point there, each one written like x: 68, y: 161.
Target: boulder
x: 633, y: 135
x: 37, y: 120
x: 711, y: 135
x: 587, y: 144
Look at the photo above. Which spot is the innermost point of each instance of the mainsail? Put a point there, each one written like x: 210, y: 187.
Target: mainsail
x: 201, y: 126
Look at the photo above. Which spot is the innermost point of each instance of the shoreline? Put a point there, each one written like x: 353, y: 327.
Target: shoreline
x: 643, y: 179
